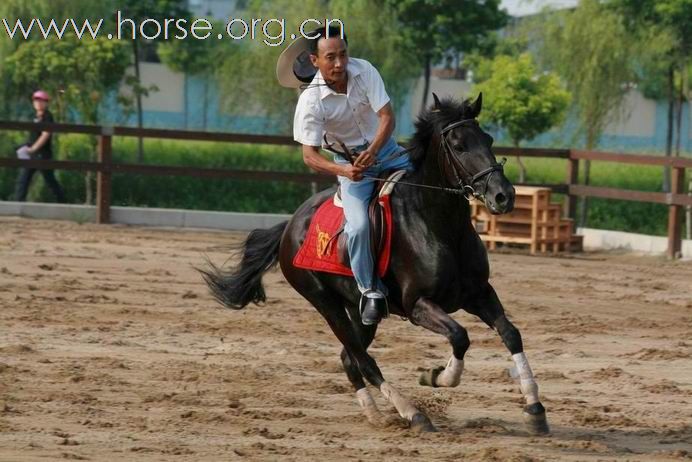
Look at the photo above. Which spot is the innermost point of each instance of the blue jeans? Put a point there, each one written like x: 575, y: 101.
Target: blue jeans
x: 355, y: 196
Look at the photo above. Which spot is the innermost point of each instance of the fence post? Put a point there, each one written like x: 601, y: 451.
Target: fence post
x: 675, y: 215
x: 572, y: 179
x: 103, y: 178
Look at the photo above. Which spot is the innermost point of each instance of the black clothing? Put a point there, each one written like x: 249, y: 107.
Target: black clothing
x: 24, y: 181
x: 46, y: 152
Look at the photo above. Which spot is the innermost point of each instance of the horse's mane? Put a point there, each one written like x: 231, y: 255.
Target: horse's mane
x: 433, y: 120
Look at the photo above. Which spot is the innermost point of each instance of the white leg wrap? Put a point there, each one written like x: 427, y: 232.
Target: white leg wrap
x: 365, y: 399
x: 367, y: 402
x: 402, y: 405
x: 451, y: 376
x: 529, y: 387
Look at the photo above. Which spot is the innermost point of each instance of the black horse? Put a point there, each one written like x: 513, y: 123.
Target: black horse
x: 438, y: 262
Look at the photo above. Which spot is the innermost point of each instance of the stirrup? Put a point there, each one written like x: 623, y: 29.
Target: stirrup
x: 381, y: 296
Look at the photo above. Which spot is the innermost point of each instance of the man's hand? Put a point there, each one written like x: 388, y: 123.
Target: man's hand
x: 352, y: 172
x: 365, y: 159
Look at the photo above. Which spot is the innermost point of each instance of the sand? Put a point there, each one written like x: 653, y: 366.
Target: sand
x: 112, y: 349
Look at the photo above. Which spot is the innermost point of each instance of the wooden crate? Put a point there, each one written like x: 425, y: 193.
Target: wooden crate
x: 534, y: 222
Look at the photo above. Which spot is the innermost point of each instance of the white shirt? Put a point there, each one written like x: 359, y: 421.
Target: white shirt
x: 351, y: 117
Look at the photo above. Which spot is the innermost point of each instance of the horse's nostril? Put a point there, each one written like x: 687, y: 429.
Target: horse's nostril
x: 500, y: 198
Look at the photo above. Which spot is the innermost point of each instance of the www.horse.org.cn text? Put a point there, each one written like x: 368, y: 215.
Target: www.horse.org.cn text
x: 272, y: 32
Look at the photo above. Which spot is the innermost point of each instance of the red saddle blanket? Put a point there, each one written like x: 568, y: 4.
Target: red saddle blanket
x: 319, y: 252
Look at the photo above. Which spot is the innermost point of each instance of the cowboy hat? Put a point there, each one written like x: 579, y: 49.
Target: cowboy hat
x: 294, y: 67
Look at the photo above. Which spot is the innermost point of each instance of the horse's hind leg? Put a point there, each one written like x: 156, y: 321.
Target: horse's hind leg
x: 430, y: 316
x: 491, y: 311
x: 341, y: 325
x: 365, y: 399
x: 366, y: 334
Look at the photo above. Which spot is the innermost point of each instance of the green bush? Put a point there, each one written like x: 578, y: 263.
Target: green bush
x: 211, y: 194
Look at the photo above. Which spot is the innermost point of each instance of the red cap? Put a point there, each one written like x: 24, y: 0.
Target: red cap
x: 40, y: 94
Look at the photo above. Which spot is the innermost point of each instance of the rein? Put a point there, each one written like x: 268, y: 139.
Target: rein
x: 465, y: 188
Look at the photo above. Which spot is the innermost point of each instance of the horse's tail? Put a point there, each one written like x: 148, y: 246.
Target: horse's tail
x: 237, y: 287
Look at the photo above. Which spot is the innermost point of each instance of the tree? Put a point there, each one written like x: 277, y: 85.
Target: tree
x: 666, y: 28
x: 81, y: 73
x: 12, y: 10
x: 592, y: 52
x: 520, y: 100
x: 138, y: 11
x: 429, y: 28
x: 249, y: 66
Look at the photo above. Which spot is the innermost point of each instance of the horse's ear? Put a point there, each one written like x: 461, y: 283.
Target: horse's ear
x: 436, y: 104
x: 476, y: 106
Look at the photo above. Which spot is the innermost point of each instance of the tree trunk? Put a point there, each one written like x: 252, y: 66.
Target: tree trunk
x: 426, y: 81
x: 522, y: 167
x: 185, y: 94
x: 138, y: 97
x: 669, y: 132
x: 6, y: 94
x: 684, y: 84
x: 89, y: 176
x: 205, y: 102
x: 688, y: 210
x: 584, y: 201
x: 678, y: 113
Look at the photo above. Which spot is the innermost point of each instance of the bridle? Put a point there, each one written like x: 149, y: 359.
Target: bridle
x: 448, y: 163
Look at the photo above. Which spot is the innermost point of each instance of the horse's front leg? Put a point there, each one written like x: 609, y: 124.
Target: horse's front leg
x: 427, y: 314
x: 491, y: 311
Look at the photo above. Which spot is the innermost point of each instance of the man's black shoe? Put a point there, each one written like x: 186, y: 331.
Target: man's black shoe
x: 373, y: 306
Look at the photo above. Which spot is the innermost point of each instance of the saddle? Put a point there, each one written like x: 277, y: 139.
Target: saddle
x: 376, y: 214
x: 325, y: 247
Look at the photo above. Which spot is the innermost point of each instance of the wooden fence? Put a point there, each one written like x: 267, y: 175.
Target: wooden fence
x: 105, y: 168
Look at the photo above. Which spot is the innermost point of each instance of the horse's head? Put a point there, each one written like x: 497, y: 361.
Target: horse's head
x: 466, y: 159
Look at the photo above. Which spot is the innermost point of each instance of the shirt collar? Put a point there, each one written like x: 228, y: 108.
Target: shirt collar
x: 353, y: 68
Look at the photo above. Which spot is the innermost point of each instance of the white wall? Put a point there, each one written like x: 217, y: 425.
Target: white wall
x: 441, y: 87
x: 171, y: 94
x: 638, y: 117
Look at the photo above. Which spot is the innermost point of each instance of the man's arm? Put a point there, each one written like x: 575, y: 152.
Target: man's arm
x: 315, y: 160
x: 385, y: 128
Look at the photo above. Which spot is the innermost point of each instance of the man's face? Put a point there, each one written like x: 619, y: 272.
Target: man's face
x: 331, y: 59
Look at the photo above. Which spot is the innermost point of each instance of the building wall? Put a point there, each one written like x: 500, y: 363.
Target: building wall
x: 641, y: 126
x: 212, y: 8
x: 179, y: 104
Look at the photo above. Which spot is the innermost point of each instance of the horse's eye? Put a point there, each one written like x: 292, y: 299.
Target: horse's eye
x: 458, y: 147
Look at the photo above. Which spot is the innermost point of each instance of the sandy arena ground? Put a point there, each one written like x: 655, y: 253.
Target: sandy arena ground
x: 111, y: 349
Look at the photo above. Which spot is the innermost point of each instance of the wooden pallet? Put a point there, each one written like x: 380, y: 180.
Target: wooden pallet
x: 534, y: 222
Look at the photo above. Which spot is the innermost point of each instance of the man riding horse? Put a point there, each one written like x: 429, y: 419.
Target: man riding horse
x: 438, y: 263
x: 346, y: 99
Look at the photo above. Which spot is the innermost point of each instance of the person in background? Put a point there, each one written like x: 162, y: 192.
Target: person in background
x: 40, y: 146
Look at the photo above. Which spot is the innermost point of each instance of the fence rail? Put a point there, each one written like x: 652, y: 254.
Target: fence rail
x: 105, y: 168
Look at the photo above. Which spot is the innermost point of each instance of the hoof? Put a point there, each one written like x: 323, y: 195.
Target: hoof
x: 376, y: 419
x: 536, y: 424
x: 428, y: 378
x: 421, y: 423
